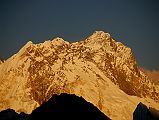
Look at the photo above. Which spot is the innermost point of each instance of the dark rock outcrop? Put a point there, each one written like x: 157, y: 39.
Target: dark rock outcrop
x: 69, y: 107
x: 10, y: 114
x: 143, y: 113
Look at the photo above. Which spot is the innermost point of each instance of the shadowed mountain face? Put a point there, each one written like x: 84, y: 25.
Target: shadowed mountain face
x: 59, y: 107
x: 67, y: 107
x: 143, y: 113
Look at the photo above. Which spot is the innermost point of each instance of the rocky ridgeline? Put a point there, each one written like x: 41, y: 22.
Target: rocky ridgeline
x: 93, y: 68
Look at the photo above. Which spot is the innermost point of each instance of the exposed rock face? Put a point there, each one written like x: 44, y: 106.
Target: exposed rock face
x: 153, y: 75
x: 101, y: 70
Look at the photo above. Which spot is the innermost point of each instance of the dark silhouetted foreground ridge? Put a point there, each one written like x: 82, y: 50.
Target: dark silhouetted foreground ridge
x: 68, y: 107
x: 10, y: 114
x: 59, y: 107
x: 143, y: 113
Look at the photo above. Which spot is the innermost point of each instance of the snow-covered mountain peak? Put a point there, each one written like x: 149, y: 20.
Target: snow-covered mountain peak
x: 101, y: 40
x: 99, y: 69
x: 23, y: 49
x: 27, y: 44
x: 100, y: 35
x: 58, y: 41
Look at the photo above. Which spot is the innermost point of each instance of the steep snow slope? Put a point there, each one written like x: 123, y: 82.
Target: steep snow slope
x: 99, y: 69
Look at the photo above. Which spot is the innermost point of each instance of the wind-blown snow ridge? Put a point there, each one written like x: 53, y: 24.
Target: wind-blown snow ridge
x: 99, y: 69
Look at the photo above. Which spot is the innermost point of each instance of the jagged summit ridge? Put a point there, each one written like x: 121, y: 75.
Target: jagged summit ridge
x: 101, y: 70
x: 100, y: 35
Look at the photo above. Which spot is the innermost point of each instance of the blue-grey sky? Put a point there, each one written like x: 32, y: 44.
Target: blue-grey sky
x: 132, y: 22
